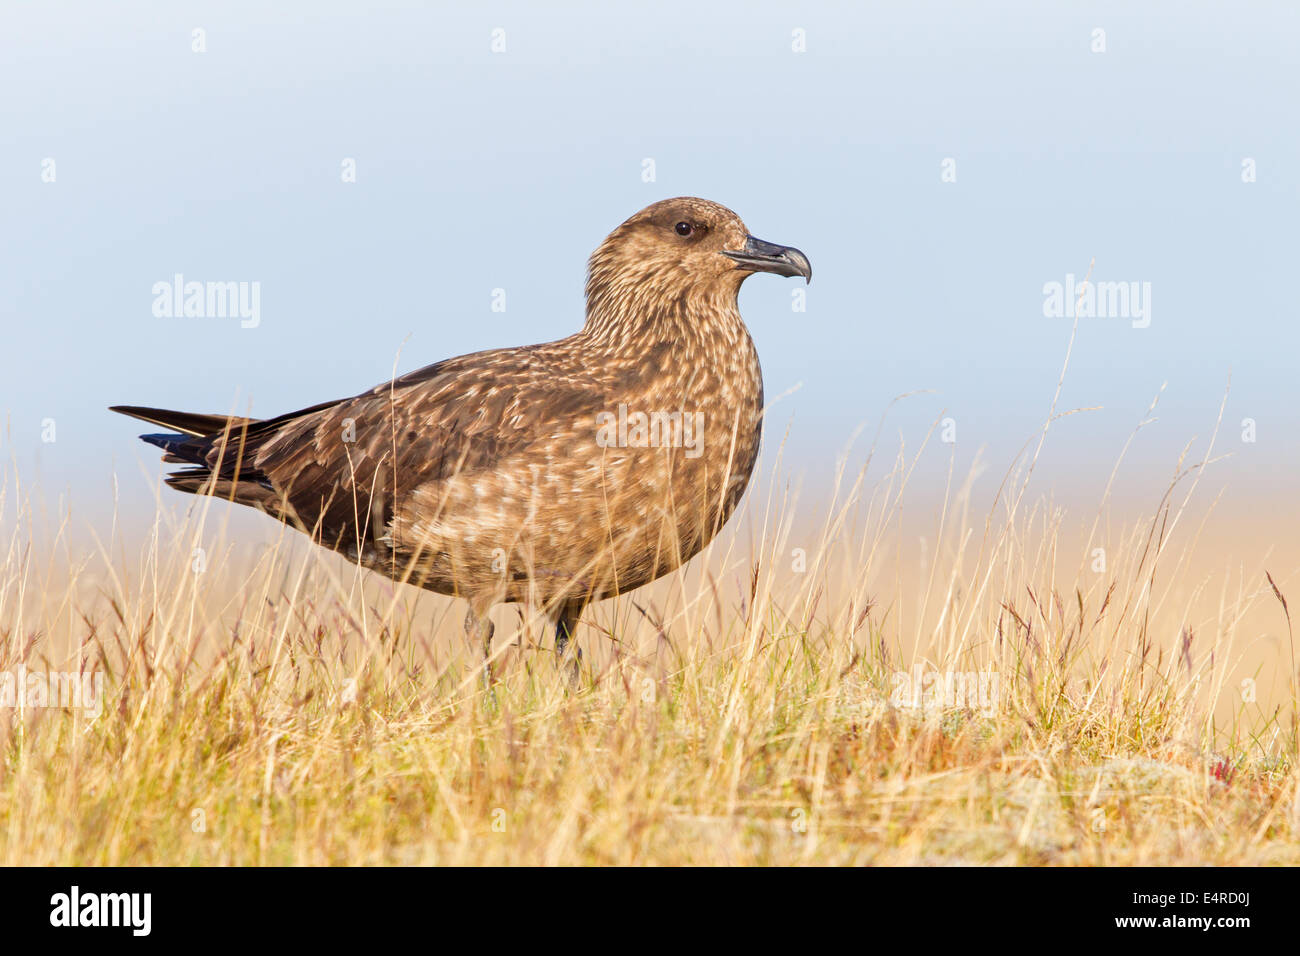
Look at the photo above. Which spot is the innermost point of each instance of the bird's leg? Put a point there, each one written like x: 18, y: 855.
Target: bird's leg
x: 566, y: 624
x: 479, y: 627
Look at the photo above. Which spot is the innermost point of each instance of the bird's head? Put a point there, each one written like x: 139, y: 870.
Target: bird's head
x: 679, y: 249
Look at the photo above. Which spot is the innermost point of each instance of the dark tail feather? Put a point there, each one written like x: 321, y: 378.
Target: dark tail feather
x: 201, y: 440
x: 188, y: 422
x: 181, y: 449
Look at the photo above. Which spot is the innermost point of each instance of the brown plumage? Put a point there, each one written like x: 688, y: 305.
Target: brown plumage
x: 527, y: 474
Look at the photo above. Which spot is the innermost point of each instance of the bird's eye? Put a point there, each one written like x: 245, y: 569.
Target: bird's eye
x: 684, y: 228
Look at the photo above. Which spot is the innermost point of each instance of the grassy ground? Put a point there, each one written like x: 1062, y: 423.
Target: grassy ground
x: 777, y: 751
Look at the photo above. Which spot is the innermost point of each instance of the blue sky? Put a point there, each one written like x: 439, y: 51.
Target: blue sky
x: 478, y: 170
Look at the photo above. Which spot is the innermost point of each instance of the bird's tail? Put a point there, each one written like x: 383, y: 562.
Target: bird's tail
x: 213, y: 445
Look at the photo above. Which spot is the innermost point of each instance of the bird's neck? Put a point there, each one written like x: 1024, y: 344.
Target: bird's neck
x: 708, y: 317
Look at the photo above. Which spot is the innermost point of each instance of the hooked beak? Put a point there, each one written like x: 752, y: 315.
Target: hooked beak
x: 760, y: 256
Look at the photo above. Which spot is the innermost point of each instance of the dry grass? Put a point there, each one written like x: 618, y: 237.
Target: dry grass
x: 282, y: 707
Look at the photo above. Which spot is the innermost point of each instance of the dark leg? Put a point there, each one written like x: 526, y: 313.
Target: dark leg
x: 569, y: 659
x: 479, y: 627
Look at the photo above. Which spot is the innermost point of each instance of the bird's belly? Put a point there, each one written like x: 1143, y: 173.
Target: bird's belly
x: 602, y: 520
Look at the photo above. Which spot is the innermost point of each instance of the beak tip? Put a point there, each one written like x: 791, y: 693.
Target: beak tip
x: 799, y: 263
